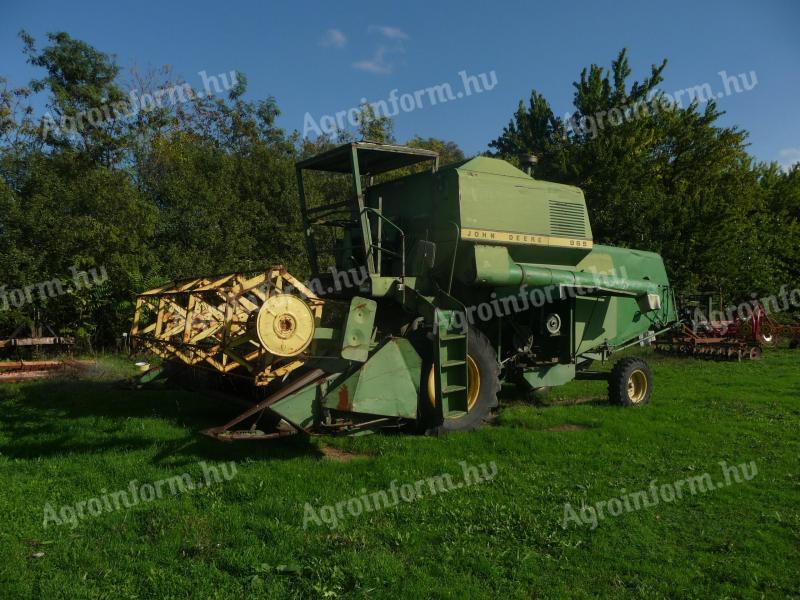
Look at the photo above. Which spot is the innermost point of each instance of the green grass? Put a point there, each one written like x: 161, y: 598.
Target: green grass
x: 68, y: 441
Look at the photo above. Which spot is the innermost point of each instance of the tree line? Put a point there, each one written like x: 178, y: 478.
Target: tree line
x: 207, y: 185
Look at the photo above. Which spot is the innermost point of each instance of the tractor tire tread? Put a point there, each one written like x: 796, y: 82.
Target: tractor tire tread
x: 618, y: 381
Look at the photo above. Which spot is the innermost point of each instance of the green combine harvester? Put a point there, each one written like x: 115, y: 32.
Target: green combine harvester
x: 445, y: 283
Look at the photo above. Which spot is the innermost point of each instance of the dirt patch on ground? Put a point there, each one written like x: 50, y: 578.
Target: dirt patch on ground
x: 573, y: 401
x: 569, y: 427
x: 331, y: 453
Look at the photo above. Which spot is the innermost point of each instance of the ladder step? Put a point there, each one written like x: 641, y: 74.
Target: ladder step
x: 452, y: 336
x: 453, y: 388
x: 453, y: 363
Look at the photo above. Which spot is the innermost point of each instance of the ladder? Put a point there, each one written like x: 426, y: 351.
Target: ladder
x: 450, y: 363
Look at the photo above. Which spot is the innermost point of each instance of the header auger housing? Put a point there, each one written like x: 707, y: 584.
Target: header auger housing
x: 470, y: 274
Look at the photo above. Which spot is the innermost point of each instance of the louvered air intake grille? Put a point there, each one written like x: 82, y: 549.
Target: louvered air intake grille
x: 567, y: 219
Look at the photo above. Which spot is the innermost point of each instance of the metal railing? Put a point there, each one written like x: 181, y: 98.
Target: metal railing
x: 382, y: 249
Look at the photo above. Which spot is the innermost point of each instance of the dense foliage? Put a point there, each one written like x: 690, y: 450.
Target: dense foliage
x: 207, y: 185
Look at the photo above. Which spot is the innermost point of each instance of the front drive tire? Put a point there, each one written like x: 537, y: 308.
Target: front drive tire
x: 630, y: 382
x: 485, y: 359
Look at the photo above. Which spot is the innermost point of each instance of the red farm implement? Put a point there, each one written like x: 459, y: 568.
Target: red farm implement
x: 789, y: 332
x: 736, y: 338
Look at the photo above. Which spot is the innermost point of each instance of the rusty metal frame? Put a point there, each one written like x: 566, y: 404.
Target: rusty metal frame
x: 225, y: 433
x: 18, y: 371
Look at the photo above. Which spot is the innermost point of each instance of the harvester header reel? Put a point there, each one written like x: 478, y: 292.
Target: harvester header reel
x: 253, y: 327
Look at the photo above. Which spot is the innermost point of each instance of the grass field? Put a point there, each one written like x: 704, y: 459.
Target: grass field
x: 65, y: 442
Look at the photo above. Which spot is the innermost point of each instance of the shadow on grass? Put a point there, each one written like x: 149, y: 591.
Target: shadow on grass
x: 586, y: 400
x: 57, y: 417
x: 512, y: 395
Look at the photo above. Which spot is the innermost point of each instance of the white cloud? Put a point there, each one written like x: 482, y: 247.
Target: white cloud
x: 377, y: 64
x: 789, y: 156
x: 333, y: 38
x: 393, y: 33
x: 393, y: 45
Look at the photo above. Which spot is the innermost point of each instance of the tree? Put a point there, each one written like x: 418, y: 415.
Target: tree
x: 86, y: 106
x: 449, y: 152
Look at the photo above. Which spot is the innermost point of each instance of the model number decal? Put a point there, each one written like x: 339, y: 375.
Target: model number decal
x: 509, y: 237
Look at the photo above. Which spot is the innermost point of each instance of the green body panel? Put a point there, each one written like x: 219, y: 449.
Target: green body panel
x: 549, y: 376
x: 608, y: 285
x: 358, y: 329
x: 299, y: 408
x: 385, y: 286
x: 325, y: 334
x: 386, y: 385
x: 151, y: 375
x: 617, y: 319
x: 497, y: 197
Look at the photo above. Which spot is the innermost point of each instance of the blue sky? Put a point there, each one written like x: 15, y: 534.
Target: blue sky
x: 320, y: 58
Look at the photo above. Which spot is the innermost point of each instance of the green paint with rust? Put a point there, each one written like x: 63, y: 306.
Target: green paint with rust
x: 357, y: 335
x: 386, y: 385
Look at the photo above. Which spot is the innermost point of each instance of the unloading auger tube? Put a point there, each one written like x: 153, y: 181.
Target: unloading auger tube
x: 521, y: 274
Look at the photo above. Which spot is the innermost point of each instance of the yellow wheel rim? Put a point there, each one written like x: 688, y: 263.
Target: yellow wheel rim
x: 285, y: 325
x: 637, y: 386
x: 473, y: 387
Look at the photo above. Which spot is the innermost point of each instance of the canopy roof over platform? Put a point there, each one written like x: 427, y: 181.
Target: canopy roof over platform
x: 373, y: 158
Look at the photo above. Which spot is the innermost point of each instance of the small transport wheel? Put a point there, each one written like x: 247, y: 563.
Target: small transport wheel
x: 484, y: 385
x: 630, y: 382
x: 767, y: 335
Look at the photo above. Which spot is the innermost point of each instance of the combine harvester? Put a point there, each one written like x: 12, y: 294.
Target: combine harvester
x: 473, y: 274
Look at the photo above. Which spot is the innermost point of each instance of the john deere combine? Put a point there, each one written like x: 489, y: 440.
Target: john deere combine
x: 445, y: 282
